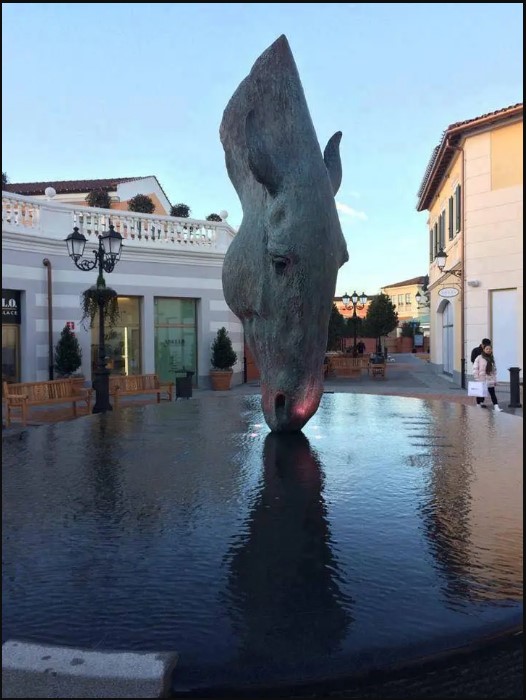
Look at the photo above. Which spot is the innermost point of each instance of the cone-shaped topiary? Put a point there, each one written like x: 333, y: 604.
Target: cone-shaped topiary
x: 68, y: 355
x: 223, y: 355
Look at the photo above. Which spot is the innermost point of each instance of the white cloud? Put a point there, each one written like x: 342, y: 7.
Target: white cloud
x: 349, y: 211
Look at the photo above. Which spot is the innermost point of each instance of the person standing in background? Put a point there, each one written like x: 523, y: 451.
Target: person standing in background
x: 485, y: 370
x: 477, y: 351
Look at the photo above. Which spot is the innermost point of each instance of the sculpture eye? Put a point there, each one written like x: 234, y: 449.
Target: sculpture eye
x: 280, y: 262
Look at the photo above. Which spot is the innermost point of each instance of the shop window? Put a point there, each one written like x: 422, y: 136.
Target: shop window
x: 122, y: 341
x: 175, y: 337
x: 10, y: 353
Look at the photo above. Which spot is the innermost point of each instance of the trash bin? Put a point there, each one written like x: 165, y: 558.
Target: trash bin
x: 183, y: 386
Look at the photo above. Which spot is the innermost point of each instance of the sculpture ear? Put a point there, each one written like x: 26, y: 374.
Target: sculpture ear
x: 333, y: 163
x: 260, y: 161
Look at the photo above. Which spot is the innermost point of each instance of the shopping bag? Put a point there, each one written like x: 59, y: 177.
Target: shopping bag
x: 479, y: 389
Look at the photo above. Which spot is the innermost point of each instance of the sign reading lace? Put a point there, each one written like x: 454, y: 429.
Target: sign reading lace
x: 11, y: 306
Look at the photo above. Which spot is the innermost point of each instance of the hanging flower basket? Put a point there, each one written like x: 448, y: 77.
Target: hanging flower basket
x: 96, y: 296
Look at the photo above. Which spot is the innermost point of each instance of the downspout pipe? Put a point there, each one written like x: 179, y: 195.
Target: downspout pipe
x: 47, y: 263
x: 460, y: 150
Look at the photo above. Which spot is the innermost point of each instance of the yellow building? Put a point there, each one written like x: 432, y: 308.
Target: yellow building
x: 472, y: 189
x: 403, y: 296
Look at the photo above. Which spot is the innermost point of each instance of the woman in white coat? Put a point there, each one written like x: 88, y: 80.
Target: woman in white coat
x: 485, y: 370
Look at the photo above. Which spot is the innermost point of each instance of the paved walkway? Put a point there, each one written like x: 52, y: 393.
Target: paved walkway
x: 407, y: 376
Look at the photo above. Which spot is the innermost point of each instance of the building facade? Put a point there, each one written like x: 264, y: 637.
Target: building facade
x: 404, y: 297
x: 119, y: 190
x: 473, y: 192
x: 168, y: 281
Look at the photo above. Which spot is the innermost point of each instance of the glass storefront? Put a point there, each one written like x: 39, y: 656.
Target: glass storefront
x: 175, y: 338
x: 11, y: 320
x: 10, y: 353
x: 123, y: 341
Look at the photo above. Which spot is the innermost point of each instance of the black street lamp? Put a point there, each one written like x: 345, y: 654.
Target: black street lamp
x: 358, y: 302
x: 106, y: 257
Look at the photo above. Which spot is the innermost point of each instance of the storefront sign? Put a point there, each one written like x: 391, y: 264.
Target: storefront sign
x: 11, y: 306
x: 448, y: 292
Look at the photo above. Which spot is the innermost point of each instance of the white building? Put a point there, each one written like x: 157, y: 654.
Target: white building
x: 168, y: 281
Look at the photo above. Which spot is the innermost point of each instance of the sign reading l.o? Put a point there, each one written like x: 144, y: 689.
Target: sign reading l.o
x: 11, y: 306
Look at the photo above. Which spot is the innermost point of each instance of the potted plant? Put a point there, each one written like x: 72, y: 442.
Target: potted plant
x: 68, y: 356
x: 99, y: 198
x: 142, y: 204
x: 180, y: 210
x: 223, y: 359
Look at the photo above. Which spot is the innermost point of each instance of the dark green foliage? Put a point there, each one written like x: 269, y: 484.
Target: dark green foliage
x: 213, y: 217
x: 180, y: 210
x: 381, y: 317
x: 142, y: 204
x: 68, y: 355
x: 99, y: 198
x: 98, y: 294
x: 223, y: 355
x: 409, y: 329
x: 337, y: 329
x: 5, y: 179
x: 351, y: 324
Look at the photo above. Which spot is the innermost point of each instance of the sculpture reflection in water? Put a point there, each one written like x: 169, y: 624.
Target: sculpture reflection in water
x: 285, y: 596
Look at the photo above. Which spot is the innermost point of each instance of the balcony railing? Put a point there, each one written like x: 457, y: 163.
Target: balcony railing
x: 53, y: 219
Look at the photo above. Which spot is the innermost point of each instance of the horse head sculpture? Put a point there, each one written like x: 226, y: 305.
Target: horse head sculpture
x: 279, y: 273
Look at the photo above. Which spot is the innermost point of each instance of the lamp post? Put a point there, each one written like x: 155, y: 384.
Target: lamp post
x: 106, y: 257
x: 358, y: 302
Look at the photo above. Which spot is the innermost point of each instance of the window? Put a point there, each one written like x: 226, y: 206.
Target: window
x: 408, y: 299
x: 400, y: 300
x: 450, y: 219
x: 175, y: 337
x: 458, y: 213
x: 431, y: 246
x: 123, y: 341
x: 442, y: 230
x: 10, y: 353
x: 435, y: 238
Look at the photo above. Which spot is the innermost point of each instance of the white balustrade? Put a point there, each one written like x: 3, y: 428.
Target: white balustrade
x: 19, y: 211
x: 56, y: 219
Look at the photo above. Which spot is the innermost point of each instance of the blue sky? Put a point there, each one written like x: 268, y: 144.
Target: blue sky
x: 96, y: 90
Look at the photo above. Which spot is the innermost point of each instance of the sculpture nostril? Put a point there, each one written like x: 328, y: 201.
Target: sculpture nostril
x: 280, y: 401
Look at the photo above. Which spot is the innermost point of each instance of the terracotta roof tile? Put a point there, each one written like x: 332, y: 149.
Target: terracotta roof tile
x: 68, y: 186
x: 413, y: 280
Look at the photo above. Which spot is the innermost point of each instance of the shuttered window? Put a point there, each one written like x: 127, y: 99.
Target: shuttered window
x: 458, y: 213
x: 450, y: 218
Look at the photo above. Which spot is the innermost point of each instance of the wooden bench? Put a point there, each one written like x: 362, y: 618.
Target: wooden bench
x: 347, y: 366
x: 133, y: 385
x: 23, y: 395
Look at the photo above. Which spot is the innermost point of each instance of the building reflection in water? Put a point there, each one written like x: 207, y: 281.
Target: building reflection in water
x: 284, y: 597
x: 473, y: 512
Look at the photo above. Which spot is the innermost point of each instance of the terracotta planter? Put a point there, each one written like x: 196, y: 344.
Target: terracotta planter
x: 220, y: 379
